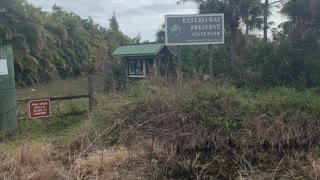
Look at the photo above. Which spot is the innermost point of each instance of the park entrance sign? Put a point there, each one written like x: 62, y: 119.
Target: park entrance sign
x: 194, y: 29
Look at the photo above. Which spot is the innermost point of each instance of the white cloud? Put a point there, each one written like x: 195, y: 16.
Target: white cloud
x: 134, y: 17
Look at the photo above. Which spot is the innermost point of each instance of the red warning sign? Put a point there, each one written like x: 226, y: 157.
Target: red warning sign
x: 39, y: 109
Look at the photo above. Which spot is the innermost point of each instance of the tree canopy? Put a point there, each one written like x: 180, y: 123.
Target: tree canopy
x: 291, y: 58
x: 236, y: 12
x: 56, y: 44
x: 60, y: 44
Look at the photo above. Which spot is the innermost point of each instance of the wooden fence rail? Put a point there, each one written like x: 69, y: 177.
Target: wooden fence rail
x: 26, y: 101
x: 90, y: 96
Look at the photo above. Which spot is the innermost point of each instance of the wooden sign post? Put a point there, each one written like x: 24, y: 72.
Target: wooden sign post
x: 196, y: 29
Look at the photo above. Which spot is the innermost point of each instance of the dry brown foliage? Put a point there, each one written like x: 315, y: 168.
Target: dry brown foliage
x: 37, y: 161
x: 156, y: 135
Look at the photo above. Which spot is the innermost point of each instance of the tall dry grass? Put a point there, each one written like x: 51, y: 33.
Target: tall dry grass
x: 38, y: 161
x: 196, y: 130
x: 216, y: 130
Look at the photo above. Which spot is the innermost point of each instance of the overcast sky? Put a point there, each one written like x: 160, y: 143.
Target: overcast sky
x: 134, y: 16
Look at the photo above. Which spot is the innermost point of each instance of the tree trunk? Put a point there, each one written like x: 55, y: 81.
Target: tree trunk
x: 265, y: 21
x: 234, y: 27
x: 233, y: 44
x: 247, y: 31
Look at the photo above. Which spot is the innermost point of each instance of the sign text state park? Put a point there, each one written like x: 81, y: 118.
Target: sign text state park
x: 194, y: 29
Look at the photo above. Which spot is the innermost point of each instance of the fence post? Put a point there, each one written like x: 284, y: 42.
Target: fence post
x: 91, y: 93
x: 210, y: 63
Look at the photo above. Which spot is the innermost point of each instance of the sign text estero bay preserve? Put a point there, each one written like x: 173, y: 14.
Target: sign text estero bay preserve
x: 194, y: 29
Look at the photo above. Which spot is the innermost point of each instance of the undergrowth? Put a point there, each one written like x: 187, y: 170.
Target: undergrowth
x: 209, y: 123
x: 190, y: 130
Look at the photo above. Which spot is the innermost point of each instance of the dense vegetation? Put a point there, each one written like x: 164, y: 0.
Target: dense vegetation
x: 156, y: 129
x: 289, y: 58
x: 160, y: 130
x: 196, y: 130
x: 57, y: 44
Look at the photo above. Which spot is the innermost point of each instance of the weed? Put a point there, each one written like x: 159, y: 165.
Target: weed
x: 195, y: 130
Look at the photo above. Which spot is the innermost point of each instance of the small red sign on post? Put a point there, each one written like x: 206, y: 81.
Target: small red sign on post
x: 39, y: 109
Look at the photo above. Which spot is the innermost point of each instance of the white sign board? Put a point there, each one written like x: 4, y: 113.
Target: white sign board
x: 194, y: 29
x: 3, y: 67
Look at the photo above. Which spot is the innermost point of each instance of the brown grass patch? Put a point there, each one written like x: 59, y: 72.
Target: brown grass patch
x: 26, y: 161
x: 102, y: 163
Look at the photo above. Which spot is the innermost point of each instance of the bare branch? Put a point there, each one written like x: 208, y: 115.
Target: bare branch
x: 282, y: 2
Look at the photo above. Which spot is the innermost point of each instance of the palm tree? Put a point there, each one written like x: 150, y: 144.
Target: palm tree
x: 304, y: 17
x: 235, y: 11
x: 53, y: 45
x: 251, y: 15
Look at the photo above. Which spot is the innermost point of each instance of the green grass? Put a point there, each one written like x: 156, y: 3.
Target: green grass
x: 54, y: 128
x: 199, y: 123
x: 48, y: 130
x: 208, y: 106
x: 67, y: 87
x: 214, y: 119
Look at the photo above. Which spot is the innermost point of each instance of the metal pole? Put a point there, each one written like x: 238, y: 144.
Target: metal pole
x: 179, y: 60
x: 210, y: 62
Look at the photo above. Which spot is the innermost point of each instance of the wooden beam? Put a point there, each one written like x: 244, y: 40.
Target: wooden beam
x: 126, y: 62
x: 155, y: 64
x: 210, y: 62
x: 144, y: 67
x: 25, y: 101
x: 179, y: 59
x: 91, y: 93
